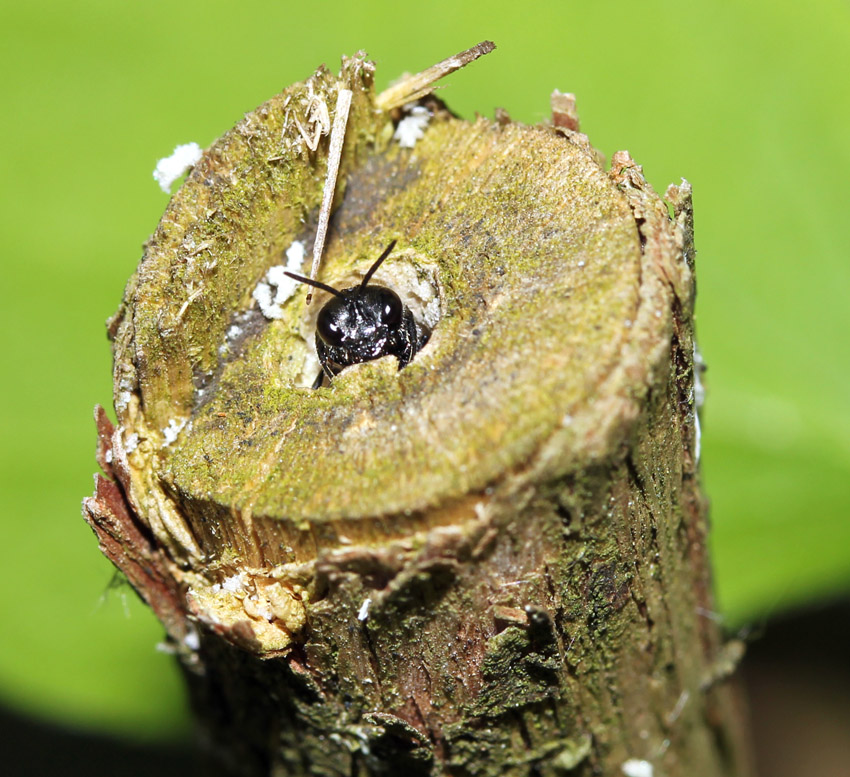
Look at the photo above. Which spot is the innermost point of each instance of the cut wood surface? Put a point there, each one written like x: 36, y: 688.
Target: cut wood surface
x: 491, y: 562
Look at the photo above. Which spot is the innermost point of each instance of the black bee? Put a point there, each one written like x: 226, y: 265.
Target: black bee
x: 362, y: 323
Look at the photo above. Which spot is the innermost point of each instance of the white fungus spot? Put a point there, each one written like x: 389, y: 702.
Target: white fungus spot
x: 295, y: 255
x: 699, y: 388
x: 131, y: 443
x: 364, y: 609
x: 192, y: 640
x: 122, y: 400
x: 170, y: 168
x: 265, y: 299
x: 697, y: 437
x: 234, y: 584
x: 173, y: 429
x: 277, y: 287
x: 108, y: 456
x: 698, y: 398
x: 635, y: 767
x: 258, y: 608
x: 412, y: 127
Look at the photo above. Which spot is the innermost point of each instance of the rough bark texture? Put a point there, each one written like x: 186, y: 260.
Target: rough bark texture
x: 492, y: 562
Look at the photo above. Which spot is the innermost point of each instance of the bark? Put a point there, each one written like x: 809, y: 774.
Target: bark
x: 492, y: 562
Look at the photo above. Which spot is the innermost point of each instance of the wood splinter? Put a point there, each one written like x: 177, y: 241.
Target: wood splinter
x: 407, y: 90
x: 343, y: 104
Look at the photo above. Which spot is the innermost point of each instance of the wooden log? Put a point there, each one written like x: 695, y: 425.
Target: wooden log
x: 491, y: 562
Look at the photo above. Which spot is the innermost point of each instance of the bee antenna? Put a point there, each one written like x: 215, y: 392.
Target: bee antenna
x: 317, y: 284
x: 377, y: 264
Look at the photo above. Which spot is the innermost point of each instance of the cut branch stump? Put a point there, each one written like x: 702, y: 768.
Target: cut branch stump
x: 491, y: 562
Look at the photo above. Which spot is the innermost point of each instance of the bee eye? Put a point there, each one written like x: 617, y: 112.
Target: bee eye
x: 388, y: 306
x: 327, y: 326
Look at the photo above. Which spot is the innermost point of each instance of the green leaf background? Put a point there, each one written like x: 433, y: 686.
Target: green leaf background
x: 748, y: 100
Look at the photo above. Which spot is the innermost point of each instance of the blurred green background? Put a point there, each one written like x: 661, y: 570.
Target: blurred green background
x: 748, y: 100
